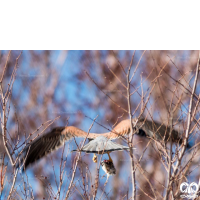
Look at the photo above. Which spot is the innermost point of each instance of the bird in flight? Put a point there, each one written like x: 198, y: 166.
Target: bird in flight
x: 102, y: 145
x: 58, y: 136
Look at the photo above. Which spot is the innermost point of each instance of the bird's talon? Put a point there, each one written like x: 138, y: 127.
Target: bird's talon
x: 94, y: 158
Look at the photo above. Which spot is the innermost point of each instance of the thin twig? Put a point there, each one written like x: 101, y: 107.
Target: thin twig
x: 78, y: 157
x: 13, y: 183
x: 106, y: 94
x: 131, y: 131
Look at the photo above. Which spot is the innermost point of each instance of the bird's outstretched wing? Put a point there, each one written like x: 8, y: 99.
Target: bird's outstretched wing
x: 50, y: 142
x: 146, y: 128
x: 158, y: 131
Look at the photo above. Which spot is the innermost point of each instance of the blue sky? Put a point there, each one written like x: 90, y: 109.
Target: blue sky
x: 71, y: 96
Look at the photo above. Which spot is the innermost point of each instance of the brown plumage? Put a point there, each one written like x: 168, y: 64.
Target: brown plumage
x: 57, y: 136
x: 158, y: 131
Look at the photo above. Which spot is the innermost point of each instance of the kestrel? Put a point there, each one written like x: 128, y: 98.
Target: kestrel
x: 58, y: 136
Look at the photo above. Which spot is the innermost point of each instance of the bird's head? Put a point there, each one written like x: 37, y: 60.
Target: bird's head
x: 104, y: 162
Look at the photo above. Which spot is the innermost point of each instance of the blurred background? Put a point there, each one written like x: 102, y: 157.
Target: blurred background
x: 49, y: 84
